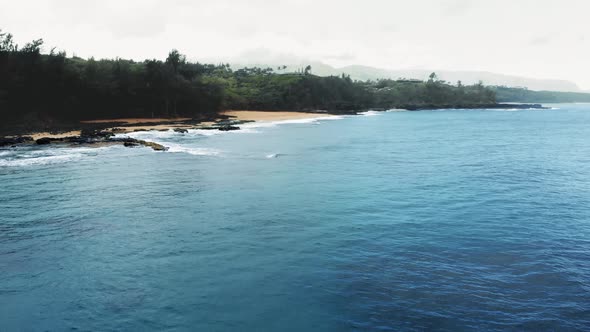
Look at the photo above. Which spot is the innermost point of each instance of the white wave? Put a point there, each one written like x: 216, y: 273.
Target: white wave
x: 214, y: 132
x: 176, y: 148
x: 369, y: 113
x: 48, y: 156
x: 272, y: 156
x: 69, y: 150
x: 147, y: 135
x: 205, y: 132
x: 173, y: 147
x: 246, y: 131
x: 333, y: 117
x: 47, y: 160
x: 268, y: 124
x: 155, y: 135
x: 245, y: 128
x: 502, y: 109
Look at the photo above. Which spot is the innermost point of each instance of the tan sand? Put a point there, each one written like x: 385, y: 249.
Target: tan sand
x: 121, y: 129
x: 130, y: 124
x: 36, y: 136
x: 272, y: 115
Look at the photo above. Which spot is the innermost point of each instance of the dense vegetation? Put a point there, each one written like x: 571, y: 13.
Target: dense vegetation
x: 54, y: 86
x: 522, y: 95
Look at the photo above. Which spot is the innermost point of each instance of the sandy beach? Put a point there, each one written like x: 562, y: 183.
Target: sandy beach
x: 37, y: 136
x: 125, y: 125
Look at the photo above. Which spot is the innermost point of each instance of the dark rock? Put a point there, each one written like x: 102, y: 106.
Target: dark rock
x: 79, y: 140
x: 87, y: 132
x: 181, y: 130
x: 521, y: 106
x: 6, y: 141
x: 154, y: 146
x: 131, y: 144
x: 93, y: 133
x: 11, y: 141
x: 43, y: 141
x: 231, y: 122
x: 228, y: 128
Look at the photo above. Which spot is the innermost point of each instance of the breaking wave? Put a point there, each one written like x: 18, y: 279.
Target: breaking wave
x: 50, y: 156
x: 177, y: 148
x: 369, y: 113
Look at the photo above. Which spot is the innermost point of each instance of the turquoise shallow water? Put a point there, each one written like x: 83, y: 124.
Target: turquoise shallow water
x: 435, y: 220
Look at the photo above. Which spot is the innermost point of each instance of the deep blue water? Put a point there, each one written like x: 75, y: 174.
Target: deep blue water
x: 435, y: 220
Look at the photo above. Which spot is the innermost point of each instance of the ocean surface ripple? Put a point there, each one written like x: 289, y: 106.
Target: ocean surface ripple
x: 448, y: 220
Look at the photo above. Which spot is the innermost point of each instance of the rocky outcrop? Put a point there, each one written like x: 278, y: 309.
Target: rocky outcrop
x: 132, y: 143
x: 181, y: 130
x: 95, y: 139
x: 10, y: 141
x: 154, y: 146
x: 86, y: 137
x: 44, y: 141
x: 224, y: 125
x: 228, y: 128
x: 96, y: 134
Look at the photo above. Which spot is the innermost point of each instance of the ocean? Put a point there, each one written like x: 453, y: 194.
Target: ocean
x: 447, y: 220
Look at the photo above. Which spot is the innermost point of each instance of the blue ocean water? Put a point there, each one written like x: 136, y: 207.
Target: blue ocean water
x: 448, y: 220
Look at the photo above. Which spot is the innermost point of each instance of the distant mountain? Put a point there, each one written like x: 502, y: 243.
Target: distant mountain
x: 466, y: 77
x: 364, y: 73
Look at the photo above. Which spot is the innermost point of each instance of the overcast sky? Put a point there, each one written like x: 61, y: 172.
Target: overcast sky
x: 534, y: 38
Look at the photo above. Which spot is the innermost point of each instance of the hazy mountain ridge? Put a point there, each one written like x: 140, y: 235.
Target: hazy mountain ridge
x: 359, y: 72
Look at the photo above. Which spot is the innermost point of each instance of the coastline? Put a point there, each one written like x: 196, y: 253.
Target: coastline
x: 229, y: 117
x: 100, y: 132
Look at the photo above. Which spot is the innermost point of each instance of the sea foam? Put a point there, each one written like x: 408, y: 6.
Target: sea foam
x: 177, y: 148
x: 46, y: 156
x: 369, y: 113
x: 268, y: 124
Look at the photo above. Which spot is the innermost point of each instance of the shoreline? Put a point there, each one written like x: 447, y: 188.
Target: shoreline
x: 129, y: 125
x: 100, y: 132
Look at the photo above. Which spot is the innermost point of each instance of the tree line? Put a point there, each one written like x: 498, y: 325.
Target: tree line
x: 54, y: 85
x: 523, y: 95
